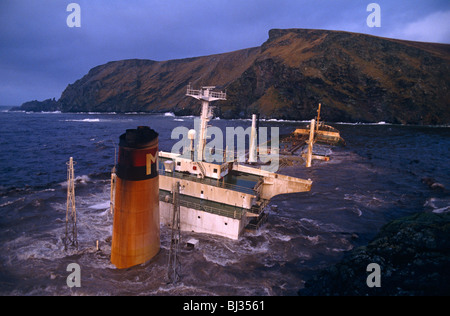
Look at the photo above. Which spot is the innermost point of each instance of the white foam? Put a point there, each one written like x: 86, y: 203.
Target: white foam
x: 88, y: 120
x: 42, y: 112
x: 101, y: 206
x: 50, y: 112
x: 217, y: 259
x: 178, y: 289
x: 438, y: 205
x: 82, y: 179
x: 32, y: 248
x: 259, y: 249
x: 11, y: 202
x: 313, y: 239
x: 78, y: 180
x: 442, y: 210
x: 97, y: 113
x: 357, y: 211
x: 281, y: 236
x: 363, y: 124
x: 278, y: 120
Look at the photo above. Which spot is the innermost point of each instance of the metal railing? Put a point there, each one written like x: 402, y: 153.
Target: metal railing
x: 208, y: 181
x: 235, y: 213
x: 194, y: 92
x: 213, y: 94
x: 218, y: 95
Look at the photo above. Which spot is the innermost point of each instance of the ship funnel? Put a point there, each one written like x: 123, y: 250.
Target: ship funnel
x: 136, y: 235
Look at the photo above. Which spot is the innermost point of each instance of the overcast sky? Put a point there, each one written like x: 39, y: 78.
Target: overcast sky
x: 40, y: 55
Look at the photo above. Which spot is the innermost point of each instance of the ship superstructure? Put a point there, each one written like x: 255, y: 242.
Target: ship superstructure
x: 220, y: 198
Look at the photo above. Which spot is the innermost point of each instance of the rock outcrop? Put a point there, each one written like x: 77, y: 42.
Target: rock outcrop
x: 49, y: 105
x: 413, y: 254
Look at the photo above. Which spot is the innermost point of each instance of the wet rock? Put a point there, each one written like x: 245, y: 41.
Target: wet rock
x: 39, y: 106
x: 412, y: 252
x: 433, y: 184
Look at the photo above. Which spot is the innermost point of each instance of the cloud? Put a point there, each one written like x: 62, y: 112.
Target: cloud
x: 40, y: 55
x: 434, y: 27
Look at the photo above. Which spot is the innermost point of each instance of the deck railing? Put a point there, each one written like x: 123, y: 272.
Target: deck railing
x: 209, y: 181
x: 235, y: 213
x: 201, y: 93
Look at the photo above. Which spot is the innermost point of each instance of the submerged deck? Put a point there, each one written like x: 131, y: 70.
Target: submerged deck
x: 324, y: 134
x: 220, y: 199
x: 234, y: 181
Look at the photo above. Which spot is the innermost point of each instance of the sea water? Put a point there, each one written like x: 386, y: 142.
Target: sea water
x: 377, y: 177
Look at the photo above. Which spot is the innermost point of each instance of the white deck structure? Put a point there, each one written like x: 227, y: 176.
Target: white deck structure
x: 220, y: 199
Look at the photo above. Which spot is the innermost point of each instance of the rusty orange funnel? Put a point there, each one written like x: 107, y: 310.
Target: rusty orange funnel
x: 136, y: 236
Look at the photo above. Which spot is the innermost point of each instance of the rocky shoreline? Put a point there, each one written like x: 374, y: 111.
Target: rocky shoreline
x: 413, y: 254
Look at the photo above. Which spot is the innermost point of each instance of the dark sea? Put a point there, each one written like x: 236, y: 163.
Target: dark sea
x: 375, y: 178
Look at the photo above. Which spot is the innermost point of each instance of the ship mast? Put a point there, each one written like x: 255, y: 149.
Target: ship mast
x: 71, y: 212
x: 318, y: 117
x: 206, y: 95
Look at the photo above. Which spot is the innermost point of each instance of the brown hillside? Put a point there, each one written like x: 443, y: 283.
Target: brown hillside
x: 356, y: 77
x: 145, y: 85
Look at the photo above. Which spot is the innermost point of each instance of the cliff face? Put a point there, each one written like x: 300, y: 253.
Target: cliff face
x: 145, y: 85
x: 357, y: 78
